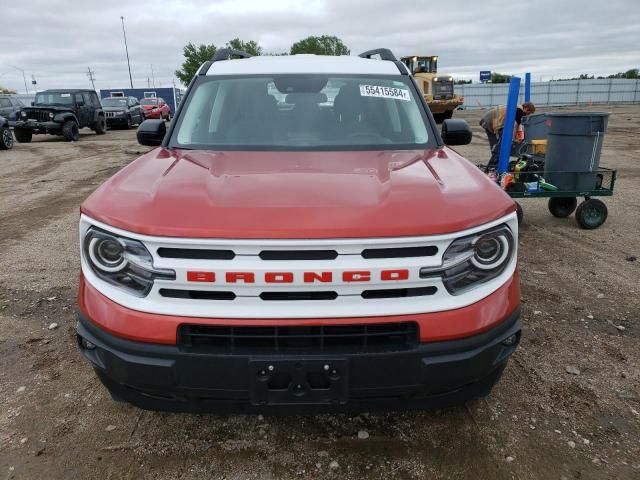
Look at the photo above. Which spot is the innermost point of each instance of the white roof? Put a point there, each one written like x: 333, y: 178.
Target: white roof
x: 303, y: 64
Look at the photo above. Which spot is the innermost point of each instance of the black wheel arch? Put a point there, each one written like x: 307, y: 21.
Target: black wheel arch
x: 65, y: 116
x: 97, y: 113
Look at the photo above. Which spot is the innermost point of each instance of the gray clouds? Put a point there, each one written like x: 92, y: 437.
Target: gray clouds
x: 56, y: 40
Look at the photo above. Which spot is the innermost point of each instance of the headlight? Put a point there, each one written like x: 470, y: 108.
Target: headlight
x: 119, y: 114
x: 51, y: 115
x: 122, y: 262
x: 474, y: 260
x: 24, y: 114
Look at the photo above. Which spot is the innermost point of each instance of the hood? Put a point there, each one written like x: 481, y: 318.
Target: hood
x: 114, y: 109
x: 298, y: 194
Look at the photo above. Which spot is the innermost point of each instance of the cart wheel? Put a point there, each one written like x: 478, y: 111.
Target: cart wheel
x: 519, y: 213
x: 562, y: 207
x: 591, y: 213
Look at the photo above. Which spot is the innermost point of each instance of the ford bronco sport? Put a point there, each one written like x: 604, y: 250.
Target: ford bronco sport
x: 61, y: 112
x: 302, y: 239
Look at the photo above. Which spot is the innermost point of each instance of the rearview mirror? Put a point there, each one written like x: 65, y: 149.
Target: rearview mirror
x: 456, y: 132
x: 151, y: 132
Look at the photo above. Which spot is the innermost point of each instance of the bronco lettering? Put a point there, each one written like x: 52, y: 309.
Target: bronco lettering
x: 307, y: 277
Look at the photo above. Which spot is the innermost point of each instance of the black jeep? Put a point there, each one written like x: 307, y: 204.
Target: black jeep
x: 122, y: 111
x: 61, y: 112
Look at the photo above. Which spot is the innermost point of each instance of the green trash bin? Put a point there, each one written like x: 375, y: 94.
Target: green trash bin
x: 574, y: 145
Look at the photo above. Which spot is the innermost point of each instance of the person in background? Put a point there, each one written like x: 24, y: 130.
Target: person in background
x: 493, y: 123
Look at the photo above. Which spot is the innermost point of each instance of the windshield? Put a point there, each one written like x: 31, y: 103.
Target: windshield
x: 54, y: 98
x: 149, y: 101
x: 114, y: 102
x: 302, y: 112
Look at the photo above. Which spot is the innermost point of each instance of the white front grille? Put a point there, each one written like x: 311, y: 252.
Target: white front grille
x: 250, y: 300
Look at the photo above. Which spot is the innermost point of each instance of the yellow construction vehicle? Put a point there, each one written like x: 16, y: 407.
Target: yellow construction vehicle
x: 436, y: 88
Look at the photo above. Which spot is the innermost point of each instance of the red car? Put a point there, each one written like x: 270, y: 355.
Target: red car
x: 155, y: 108
x: 302, y: 239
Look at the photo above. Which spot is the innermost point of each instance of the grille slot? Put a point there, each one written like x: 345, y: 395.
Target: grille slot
x: 196, y: 253
x: 399, y: 292
x: 406, y: 252
x: 293, y: 296
x: 38, y: 115
x: 197, y: 294
x: 383, y: 337
x: 298, y: 255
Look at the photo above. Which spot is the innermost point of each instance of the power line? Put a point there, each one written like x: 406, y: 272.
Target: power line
x: 91, y: 77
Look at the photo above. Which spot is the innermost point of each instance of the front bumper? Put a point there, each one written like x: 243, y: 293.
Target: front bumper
x: 165, y: 377
x: 39, y: 127
x: 117, y: 120
x: 153, y: 114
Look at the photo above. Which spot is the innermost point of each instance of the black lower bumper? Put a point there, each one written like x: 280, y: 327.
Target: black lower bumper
x: 39, y: 127
x: 116, y: 121
x: 432, y: 375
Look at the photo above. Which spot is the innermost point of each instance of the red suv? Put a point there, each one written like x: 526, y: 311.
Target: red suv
x: 302, y: 239
x: 155, y: 108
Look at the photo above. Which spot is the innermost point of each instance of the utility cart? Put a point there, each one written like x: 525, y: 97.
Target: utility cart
x: 559, y: 160
x: 590, y: 213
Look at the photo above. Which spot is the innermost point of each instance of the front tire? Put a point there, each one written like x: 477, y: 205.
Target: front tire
x: 591, y: 214
x: 70, y: 131
x: 128, y: 125
x: 6, y: 139
x: 562, y: 207
x: 101, y: 126
x: 23, y: 135
x: 519, y: 213
x: 439, y: 117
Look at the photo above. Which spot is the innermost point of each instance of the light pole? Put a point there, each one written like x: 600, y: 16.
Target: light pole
x: 126, y: 49
x: 23, y: 77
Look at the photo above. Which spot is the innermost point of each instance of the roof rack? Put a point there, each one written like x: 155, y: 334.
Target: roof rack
x: 220, y: 55
x: 228, y: 54
x: 386, y: 54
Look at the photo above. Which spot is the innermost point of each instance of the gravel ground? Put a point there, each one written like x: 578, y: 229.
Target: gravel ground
x: 567, y: 407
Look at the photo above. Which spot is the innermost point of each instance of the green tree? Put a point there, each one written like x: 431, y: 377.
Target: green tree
x: 194, y: 57
x: 251, y: 47
x: 634, y: 73
x: 324, y: 45
x: 500, y: 78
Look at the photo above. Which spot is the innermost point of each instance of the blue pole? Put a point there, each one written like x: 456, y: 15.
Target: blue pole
x: 507, y: 132
x: 527, y: 87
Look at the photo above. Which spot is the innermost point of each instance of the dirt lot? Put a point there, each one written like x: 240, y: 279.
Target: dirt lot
x: 581, y: 309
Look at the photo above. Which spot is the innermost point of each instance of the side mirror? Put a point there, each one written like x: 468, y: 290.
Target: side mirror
x: 456, y: 132
x: 151, y: 132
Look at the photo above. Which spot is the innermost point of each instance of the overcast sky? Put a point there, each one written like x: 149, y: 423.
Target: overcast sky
x: 56, y: 40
